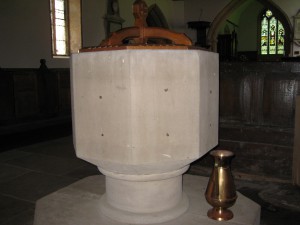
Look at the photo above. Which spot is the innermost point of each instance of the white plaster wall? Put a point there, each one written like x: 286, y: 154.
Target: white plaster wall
x: 93, y: 28
x: 247, y: 35
x: 26, y: 29
x: 195, y: 10
x: 126, y: 12
x: 26, y: 34
x: 291, y: 8
x: 248, y: 30
x: 177, y: 21
x: 173, y: 11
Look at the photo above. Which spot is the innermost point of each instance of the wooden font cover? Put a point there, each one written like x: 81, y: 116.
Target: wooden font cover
x: 138, y: 36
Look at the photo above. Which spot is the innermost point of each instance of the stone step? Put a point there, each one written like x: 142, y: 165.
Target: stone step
x: 79, y: 204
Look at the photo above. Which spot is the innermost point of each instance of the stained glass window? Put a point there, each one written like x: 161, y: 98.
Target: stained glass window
x: 59, y: 25
x: 271, y: 35
x: 264, y: 36
x: 280, y: 40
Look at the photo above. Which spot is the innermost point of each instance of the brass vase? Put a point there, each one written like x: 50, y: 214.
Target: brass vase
x: 220, y: 192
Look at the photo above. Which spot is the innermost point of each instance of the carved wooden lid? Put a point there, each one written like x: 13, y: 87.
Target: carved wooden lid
x: 138, y: 36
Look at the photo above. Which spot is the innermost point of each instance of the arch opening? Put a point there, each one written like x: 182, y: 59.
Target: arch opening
x: 236, y: 7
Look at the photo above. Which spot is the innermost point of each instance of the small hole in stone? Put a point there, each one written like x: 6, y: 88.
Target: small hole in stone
x: 100, y: 97
x: 210, y: 91
x: 168, y: 135
x: 166, y: 89
x: 102, y: 135
x: 210, y: 124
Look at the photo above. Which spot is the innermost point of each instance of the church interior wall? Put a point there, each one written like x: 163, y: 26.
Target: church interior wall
x: 93, y: 30
x: 247, y: 30
x: 26, y: 35
x: 29, y: 37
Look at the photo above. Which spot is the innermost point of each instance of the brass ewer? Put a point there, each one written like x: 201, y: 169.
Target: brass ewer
x: 220, y: 192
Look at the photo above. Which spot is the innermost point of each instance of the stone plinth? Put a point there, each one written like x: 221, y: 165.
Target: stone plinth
x: 142, y: 116
x: 79, y: 204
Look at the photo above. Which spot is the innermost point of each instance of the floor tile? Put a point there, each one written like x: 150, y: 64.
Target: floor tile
x: 48, y: 164
x: 85, y: 171
x: 62, y: 147
x: 81, y: 200
x: 12, y: 154
x: 8, y: 172
x: 29, y: 173
x: 10, y: 208
x: 25, y: 218
x: 32, y: 186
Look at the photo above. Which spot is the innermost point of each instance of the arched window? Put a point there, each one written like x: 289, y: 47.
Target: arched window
x: 272, y: 35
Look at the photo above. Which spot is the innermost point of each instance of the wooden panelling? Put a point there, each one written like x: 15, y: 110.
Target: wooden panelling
x: 296, y: 152
x: 257, y: 114
x: 279, y: 99
x: 7, y: 104
x: 33, y: 94
x: 64, y: 92
x: 25, y: 94
x: 260, y: 94
x: 230, y: 105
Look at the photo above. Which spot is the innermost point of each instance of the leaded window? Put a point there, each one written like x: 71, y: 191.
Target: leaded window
x: 272, y: 35
x: 60, y: 27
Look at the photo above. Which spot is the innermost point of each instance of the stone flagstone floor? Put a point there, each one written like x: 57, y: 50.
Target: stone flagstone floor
x: 31, y: 172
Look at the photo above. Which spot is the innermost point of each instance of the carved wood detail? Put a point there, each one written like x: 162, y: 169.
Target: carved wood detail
x: 140, y: 33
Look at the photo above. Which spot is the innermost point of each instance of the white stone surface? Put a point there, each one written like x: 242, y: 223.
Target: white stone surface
x: 143, y: 199
x: 79, y: 204
x: 144, y: 111
x: 142, y: 116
